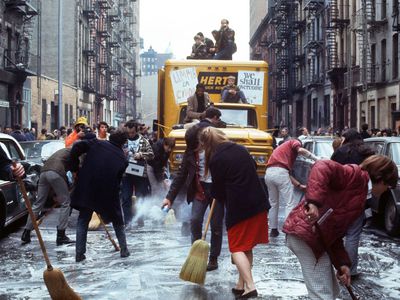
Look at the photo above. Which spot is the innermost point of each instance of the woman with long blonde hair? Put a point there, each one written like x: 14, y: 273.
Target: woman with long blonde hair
x: 236, y: 184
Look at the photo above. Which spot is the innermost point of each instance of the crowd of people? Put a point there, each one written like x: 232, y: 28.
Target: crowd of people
x: 323, y: 229
x: 223, y: 48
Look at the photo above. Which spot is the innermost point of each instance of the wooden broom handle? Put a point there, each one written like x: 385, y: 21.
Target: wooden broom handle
x: 34, y: 222
x: 209, y: 219
x: 108, y: 233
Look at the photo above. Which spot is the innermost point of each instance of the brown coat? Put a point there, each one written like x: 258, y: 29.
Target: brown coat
x: 192, y: 106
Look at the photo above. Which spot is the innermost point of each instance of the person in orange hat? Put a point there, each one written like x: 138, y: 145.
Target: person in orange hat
x: 78, y: 133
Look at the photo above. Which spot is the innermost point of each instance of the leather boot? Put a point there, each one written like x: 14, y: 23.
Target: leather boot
x: 212, y: 264
x: 62, y: 238
x: 26, y: 236
x: 120, y: 233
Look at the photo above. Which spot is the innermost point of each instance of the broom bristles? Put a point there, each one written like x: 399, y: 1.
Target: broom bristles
x: 57, y: 286
x: 195, y: 267
x: 94, y: 223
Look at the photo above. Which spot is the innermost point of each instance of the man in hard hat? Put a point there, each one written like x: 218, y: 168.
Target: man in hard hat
x: 78, y: 133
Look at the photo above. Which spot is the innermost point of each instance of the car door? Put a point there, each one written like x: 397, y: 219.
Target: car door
x: 15, y: 154
x: 9, y: 190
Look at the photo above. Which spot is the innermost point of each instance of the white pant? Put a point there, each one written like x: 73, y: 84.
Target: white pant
x: 319, y: 275
x: 280, y: 188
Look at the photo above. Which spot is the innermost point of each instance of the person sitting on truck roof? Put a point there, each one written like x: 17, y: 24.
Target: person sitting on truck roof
x: 209, y: 45
x: 226, y: 42
x: 199, y: 49
x: 231, y: 93
x: 197, y: 104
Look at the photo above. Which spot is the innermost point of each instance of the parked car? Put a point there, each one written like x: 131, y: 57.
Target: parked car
x: 40, y: 151
x: 320, y: 146
x: 387, y: 207
x: 12, y: 205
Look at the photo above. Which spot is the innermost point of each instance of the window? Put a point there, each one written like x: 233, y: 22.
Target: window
x: 383, y: 59
x: 327, y: 110
x: 394, y: 152
x: 44, y: 112
x: 395, y: 56
x: 66, y: 114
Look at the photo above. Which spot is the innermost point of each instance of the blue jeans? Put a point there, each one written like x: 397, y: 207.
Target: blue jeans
x: 352, y: 240
x: 82, y: 228
x: 141, y: 185
x: 196, y: 223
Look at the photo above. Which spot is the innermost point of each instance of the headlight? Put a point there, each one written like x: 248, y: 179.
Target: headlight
x: 178, y: 157
x: 260, y: 159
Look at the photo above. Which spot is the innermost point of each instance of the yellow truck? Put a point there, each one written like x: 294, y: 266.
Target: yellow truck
x: 246, y: 123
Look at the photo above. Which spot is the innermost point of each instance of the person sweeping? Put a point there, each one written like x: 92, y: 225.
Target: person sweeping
x: 98, y: 185
x: 236, y: 184
x: 54, y: 279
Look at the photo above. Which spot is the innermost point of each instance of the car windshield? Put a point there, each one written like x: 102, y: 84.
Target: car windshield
x: 44, y: 150
x: 323, y: 149
x: 394, y: 152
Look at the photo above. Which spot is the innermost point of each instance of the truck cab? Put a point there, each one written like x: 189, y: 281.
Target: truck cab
x: 246, y: 124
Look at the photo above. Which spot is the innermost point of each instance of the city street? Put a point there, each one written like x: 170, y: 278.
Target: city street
x: 157, y: 254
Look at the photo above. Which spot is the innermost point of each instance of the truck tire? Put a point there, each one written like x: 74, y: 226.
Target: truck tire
x: 392, y: 217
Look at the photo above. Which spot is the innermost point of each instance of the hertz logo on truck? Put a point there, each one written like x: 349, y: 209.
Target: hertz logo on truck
x: 215, y: 81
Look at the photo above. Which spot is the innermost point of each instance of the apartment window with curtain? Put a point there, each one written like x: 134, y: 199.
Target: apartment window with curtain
x: 383, y: 9
x: 395, y: 56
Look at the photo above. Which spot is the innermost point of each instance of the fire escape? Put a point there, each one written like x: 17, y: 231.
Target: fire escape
x: 103, y: 35
x: 90, y: 49
x: 299, y: 24
x: 19, y: 59
x: 113, y: 46
x: 365, y: 26
x: 281, y: 46
x: 314, y: 44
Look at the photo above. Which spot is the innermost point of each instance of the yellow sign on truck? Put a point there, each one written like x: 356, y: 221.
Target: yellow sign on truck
x: 246, y: 123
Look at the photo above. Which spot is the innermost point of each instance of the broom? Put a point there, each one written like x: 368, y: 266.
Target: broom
x: 108, y: 233
x: 195, y: 267
x: 94, y: 222
x: 53, y: 278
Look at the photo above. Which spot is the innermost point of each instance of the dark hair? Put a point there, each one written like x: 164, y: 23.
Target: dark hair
x: 212, y: 112
x: 103, y: 123
x: 43, y: 131
x: 17, y: 127
x: 169, y: 141
x: 192, y: 137
x: 131, y: 124
x: 364, y: 126
x: 381, y: 168
x: 351, y: 135
x: 119, y: 137
x: 200, y: 34
x: 200, y: 86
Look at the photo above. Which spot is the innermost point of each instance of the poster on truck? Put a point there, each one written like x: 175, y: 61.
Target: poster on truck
x: 184, y: 83
x: 251, y: 83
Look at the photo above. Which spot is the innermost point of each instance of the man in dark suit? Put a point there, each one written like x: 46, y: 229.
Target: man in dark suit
x: 98, y: 186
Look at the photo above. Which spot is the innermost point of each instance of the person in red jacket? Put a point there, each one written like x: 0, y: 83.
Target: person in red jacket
x: 315, y: 236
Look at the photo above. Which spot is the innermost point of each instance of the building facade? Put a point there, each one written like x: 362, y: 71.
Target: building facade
x: 100, y: 55
x: 17, y: 62
x: 333, y: 63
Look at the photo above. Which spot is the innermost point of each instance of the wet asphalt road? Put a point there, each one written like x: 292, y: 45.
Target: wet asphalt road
x: 157, y: 254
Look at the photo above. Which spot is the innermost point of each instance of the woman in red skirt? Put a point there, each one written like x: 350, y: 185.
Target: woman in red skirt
x: 236, y: 184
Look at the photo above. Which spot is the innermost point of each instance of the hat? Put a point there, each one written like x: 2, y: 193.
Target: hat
x: 81, y: 120
x: 232, y: 77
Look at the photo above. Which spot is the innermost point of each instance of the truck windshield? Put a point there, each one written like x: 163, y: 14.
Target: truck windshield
x: 233, y: 117
x: 239, y: 117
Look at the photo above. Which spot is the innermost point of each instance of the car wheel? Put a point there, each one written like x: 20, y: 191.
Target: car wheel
x: 392, y: 217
